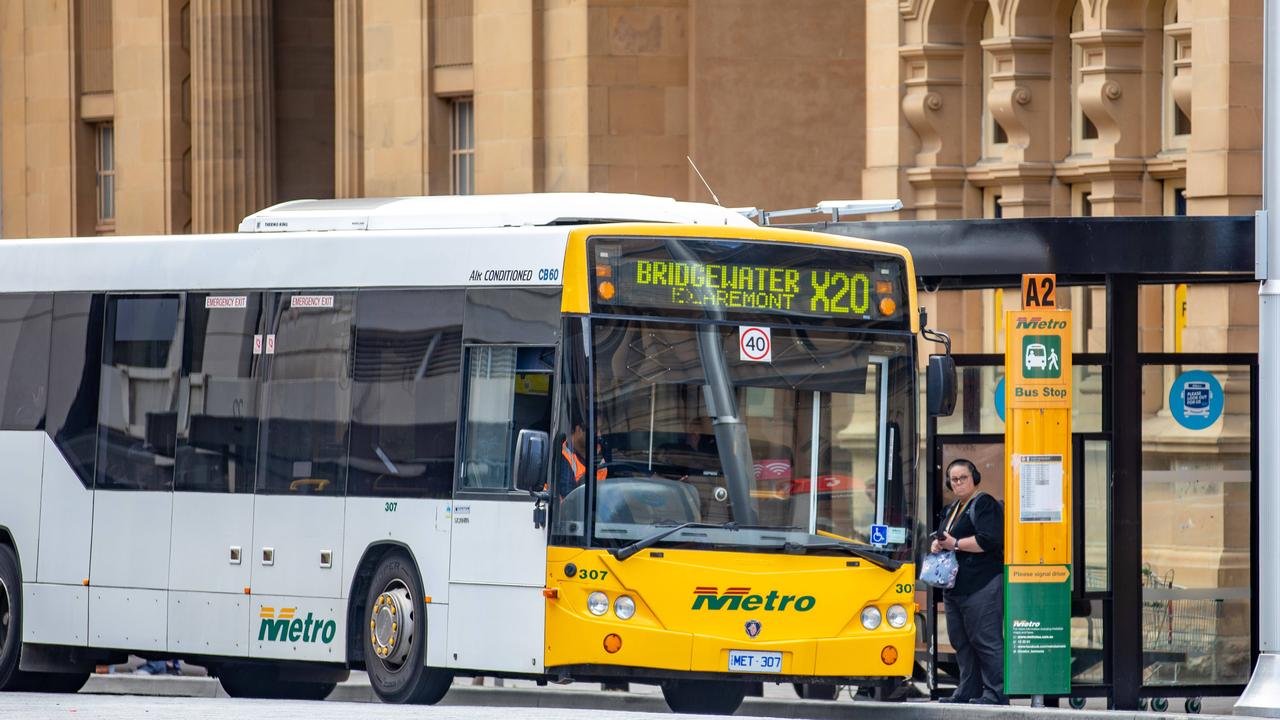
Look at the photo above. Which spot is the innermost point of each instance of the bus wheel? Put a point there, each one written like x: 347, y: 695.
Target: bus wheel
x: 10, y: 620
x: 261, y: 681
x: 395, y: 646
x: 704, y: 697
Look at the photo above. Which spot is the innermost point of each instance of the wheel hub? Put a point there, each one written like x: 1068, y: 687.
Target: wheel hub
x: 391, y: 625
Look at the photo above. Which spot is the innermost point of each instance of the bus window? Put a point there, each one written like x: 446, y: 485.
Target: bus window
x: 24, y: 360
x: 508, y: 390
x: 137, y: 415
x: 75, y: 370
x: 404, y: 412
x: 217, y: 448
x: 308, y: 394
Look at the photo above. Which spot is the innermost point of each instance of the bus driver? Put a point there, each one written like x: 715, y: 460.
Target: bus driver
x: 574, y: 468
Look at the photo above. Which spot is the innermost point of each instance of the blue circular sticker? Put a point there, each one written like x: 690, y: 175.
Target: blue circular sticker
x: 1196, y: 399
x: 1000, y: 399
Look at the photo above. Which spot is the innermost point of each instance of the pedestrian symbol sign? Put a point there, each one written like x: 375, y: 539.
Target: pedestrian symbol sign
x: 879, y: 534
x: 1041, y: 356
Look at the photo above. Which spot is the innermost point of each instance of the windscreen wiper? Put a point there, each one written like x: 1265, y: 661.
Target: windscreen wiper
x: 861, y: 551
x: 625, y: 552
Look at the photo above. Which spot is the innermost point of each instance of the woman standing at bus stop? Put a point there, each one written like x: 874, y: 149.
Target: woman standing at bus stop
x: 973, y: 526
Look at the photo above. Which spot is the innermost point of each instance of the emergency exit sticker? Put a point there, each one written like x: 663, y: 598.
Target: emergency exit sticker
x: 755, y: 344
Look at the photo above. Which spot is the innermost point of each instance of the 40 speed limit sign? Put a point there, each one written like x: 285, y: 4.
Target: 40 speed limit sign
x: 755, y: 344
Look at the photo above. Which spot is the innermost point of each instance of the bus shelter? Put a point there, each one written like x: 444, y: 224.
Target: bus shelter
x: 1164, y: 432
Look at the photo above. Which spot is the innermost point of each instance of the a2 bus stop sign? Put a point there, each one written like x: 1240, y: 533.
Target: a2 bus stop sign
x: 1037, y: 492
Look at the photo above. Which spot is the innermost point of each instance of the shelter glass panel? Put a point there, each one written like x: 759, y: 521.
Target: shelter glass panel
x: 1196, y: 492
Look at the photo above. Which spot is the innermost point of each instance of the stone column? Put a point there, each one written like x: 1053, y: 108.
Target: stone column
x: 233, y: 112
x: 348, y: 90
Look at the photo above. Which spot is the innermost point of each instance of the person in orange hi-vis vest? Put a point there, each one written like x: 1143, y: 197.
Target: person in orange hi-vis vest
x: 574, y: 469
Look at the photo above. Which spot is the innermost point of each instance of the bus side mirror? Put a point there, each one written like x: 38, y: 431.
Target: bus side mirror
x: 530, y: 469
x: 940, y: 390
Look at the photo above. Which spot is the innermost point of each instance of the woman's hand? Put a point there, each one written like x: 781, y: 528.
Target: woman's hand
x: 948, y: 542
x: 935, y: 547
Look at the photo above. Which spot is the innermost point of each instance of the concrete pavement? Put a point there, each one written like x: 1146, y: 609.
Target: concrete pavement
x: 567, y: 701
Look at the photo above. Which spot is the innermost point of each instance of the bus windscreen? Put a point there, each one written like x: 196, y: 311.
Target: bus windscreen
x: 724, y: 279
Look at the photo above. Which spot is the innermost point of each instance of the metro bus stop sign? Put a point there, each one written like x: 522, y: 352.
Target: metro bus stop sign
x: 1037, y: 493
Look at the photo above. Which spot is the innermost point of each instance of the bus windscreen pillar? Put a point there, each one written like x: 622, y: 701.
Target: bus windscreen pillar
x: 1037, y: 492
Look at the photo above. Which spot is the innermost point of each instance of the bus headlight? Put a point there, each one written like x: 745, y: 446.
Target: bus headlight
x: 897, y: 616
x: 871, y: 617
x: 624, y: 607
x: 598, y: 603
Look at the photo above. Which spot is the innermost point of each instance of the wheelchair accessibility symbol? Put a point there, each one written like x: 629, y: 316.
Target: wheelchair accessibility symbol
x: 879, y: 534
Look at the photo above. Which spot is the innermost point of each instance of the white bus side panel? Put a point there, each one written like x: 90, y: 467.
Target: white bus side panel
x: 437, y: 640
x: 207, y: 623
x: 497, y: 627
x: 55, y: 614
x: 297, y: 530
x: 421, y: 525
x: 206, y: 526
x: 131, y: 539
x: 297, y: 628
x: 128, y: 618
x: 66, y: 522
x: 22, y: 455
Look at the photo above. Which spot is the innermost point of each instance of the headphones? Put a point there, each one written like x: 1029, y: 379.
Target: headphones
x: 973, y: 470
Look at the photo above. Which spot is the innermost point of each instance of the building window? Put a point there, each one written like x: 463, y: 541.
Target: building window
x: 1083, y: 129
x: 462, y: 147
x: 105, y: 161
x: 1175, y: 196
x: 1176, y: 78
x: 991, y: 207
x: 1082, y: 200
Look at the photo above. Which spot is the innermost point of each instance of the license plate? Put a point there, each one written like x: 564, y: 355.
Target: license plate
x: 754, y: 661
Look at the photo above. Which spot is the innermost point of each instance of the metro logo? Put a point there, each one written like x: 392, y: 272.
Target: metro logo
x: 740, y: 598
x: 1036, y: 323
x: 284, y: 627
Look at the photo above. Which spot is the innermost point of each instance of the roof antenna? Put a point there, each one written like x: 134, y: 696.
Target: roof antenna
x: 704, y: 180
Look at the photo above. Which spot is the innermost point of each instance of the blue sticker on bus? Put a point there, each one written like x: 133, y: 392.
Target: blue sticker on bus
x: 1196, y: 400
x: 879, y: 534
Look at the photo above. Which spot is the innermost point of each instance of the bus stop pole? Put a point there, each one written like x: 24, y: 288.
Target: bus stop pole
x: 1262, y: 697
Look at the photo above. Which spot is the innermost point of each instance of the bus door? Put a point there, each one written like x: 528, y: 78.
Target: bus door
x: 299, y: 507
x: 498, y: 554
x: 214, y: 469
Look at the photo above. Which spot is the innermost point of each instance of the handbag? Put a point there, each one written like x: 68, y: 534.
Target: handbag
x: 939, y: 569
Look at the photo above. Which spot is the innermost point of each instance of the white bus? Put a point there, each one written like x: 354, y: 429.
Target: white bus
x: 298, y: 449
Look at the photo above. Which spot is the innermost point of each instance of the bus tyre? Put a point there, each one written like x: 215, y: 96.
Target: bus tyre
x: 262, y: 681
x: 395, y: 643
x: 704, y: 697
x: 10, y: 620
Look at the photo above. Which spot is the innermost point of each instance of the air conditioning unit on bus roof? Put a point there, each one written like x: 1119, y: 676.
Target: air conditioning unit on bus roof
x: 484, y: 211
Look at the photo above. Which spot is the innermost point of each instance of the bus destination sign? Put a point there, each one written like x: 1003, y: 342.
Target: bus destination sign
x: 843, y: 287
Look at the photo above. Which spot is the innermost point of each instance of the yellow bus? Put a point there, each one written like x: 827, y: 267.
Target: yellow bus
x: 513, y: 436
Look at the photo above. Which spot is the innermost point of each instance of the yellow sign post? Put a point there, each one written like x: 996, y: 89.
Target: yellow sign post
x: 1038, y: 493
